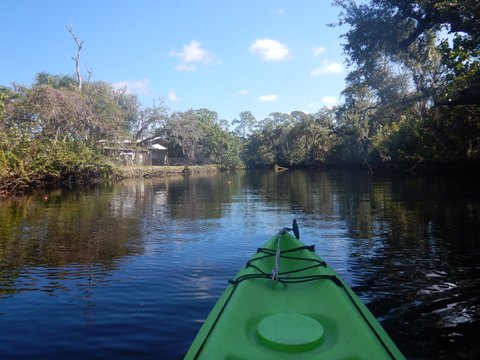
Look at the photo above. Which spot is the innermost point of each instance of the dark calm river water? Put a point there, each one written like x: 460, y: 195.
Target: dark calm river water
x: 130, y: 271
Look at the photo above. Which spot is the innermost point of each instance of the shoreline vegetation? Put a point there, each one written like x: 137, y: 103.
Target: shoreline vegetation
x: 106, y: 172
x: 133, y: 172
x: 19, y: 184
x: 411, y: 103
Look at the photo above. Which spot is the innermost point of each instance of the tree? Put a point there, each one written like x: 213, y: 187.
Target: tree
x: 402, y: 65
x: 320, y: 136
x: 407, y: 32
x: 64, y: 113
x: 47, y: 136
x: 201, y: 137
x: 259, y: 150
x: 245, y: 124
x: 214, y: 138
x: 148, y: 120
x: 232, y: 149
x: 218, y: 145
x: 45, y: 112
x: 55, y: 81
x: 295, y: 139
x: 106, y: 118
x: 183, y: 131
x: 131, y: 107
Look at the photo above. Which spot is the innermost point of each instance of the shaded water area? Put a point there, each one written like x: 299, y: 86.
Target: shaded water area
x: 132, y: 270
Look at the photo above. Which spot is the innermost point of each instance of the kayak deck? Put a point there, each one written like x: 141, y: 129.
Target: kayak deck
x: 308, y: 312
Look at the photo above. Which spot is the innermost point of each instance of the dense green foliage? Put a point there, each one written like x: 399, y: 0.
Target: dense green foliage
x: 200, y: 137
x: 50, y: 132
x: 409, y: 59
x: 411, y: 99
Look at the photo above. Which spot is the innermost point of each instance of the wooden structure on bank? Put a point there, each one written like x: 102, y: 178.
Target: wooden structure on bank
x: 147, y: 151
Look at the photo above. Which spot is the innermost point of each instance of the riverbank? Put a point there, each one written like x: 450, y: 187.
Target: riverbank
x: 14, y: 184
x: 130, y: 172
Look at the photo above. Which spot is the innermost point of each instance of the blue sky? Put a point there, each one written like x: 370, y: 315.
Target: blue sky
x: 227, y: 56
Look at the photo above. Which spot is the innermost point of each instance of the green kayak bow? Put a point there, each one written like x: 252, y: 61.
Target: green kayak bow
x: 287, y: 303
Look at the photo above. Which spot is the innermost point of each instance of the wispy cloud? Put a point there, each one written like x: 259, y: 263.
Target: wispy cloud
x: 319, y: 50
x: 192, y: 53
x: 329, y: 100
x: 242, y: 92
x: 172, y: 96
x: 270, y: 50
x: 136, y: 86
x: 328, y: 68
x: 268, y: 98
x: 185, y: 67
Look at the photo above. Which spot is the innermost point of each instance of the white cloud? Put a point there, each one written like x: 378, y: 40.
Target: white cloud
x: 328, y: 68
x: 192, y: 53
x: 137, y: 87
x: 329, y: 100
x: 268, y: 98
x: 242, y: 92
x: 172, y: 96
x: 270, y: 50
x: 185, y: 67
x: 319, y: 50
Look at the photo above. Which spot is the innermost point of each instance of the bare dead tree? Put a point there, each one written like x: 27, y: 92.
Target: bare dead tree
x: 90, y: 74
x: 77, y: 58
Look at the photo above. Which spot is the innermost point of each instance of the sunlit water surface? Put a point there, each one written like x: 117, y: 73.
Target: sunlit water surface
x: 132, y: 270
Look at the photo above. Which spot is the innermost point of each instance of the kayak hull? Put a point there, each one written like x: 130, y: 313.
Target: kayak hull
x: 308, y: 312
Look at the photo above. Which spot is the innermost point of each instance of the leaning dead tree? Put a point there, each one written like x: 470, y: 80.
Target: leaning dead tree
x: 77, y: 58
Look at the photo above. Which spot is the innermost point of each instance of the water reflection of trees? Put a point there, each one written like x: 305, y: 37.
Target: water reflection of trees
x: 58, y: 229
x: 202, y: 196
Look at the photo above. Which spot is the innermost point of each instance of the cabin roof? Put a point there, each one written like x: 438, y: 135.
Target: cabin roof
x: 157, y: 147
